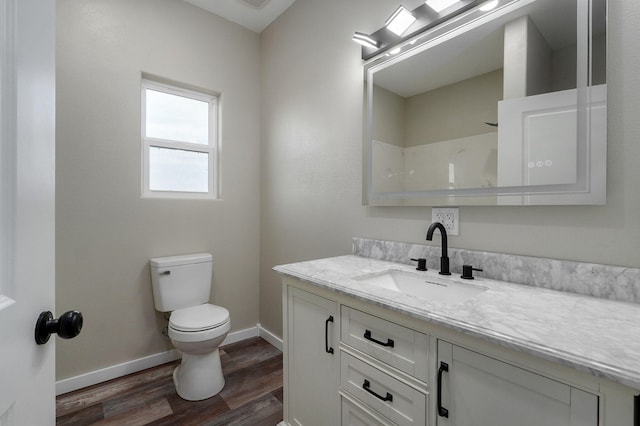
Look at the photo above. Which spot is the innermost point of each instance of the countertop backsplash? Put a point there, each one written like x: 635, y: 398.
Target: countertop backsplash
x: 591, y: 279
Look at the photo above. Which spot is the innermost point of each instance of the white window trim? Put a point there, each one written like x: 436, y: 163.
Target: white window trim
x: 211, y: 148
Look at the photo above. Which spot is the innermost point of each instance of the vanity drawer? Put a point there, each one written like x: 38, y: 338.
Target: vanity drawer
x: 390, y: 397
x: 393, y: 344
x: 354, y: 413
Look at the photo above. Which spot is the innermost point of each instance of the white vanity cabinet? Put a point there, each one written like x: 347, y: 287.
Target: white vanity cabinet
x: 311, y: 356
x: 477, y: 390
x: 351, y: 362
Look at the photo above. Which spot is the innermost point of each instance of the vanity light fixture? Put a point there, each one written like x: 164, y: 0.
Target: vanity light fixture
x: 440, y: 5
x: 400, y: 21
x: 487, y: 6
x: 405, y: 26
x: 365, y: 40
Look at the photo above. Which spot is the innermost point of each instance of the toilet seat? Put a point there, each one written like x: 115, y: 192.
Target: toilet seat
x: 198, y: 318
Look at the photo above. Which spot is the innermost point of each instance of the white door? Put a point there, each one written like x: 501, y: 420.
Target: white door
x: 27, y: 162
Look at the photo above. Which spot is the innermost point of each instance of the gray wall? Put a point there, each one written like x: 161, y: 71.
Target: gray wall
x: 312, y: 157
x: 105, y: 232
x: 455, y: 111
x: 388, y: 117
x: 292, y: 162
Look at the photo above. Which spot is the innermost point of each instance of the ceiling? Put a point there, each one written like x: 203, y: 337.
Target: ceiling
x: 255, y: 15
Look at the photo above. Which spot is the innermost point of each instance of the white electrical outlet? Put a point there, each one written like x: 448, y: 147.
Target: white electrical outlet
x: 448, y: 217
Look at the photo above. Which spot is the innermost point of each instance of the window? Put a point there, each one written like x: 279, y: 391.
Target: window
x: 179, y: 142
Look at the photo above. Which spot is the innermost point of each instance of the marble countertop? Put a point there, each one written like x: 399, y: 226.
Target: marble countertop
x: 594, y: 335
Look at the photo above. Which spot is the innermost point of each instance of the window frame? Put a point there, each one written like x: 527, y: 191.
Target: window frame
x: 211, y: 148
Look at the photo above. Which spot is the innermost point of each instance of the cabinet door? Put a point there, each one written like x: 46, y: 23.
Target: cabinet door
x: 476, y: 390
x: 312, y: 359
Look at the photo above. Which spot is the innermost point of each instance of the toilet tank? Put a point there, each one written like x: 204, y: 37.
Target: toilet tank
x: 181, y: 281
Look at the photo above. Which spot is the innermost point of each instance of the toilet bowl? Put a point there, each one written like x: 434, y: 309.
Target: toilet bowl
x: 181, y: 285
x: 196, y: 332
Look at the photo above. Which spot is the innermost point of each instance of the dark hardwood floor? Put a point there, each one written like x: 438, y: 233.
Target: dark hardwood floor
x: 252, y: 394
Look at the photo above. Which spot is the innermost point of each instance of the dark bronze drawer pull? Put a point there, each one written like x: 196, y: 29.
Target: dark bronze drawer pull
x: 367, y: 386
x: 367, y: 335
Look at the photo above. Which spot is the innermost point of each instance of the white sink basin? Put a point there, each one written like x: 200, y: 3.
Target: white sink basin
x: 424, y: 286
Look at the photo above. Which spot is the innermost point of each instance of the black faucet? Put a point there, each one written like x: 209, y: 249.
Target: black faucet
x: 444, y: 259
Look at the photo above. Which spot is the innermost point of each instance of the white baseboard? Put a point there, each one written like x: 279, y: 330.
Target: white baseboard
x: 269, y: 337
x: 119, y: 370
x: 115, y: 371
x: 239, y: 335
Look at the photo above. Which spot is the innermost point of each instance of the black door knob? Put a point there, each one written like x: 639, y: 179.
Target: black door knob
x: 67, y: 326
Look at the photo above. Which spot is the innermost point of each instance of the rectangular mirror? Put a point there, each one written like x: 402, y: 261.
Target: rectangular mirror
x: 504, y: 107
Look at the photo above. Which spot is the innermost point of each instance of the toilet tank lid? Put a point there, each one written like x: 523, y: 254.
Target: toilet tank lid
x: 186, y: 259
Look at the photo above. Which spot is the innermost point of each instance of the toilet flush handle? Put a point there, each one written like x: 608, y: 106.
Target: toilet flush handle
x: 165, y: 273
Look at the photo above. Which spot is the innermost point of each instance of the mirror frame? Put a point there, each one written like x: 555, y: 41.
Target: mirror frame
x: 590, y: 188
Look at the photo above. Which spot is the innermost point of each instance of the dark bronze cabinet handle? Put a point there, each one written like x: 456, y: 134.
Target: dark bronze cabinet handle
x: 367, y: 335
x: 327, y: 349
x: 367, y: 386
x: 442, y: 412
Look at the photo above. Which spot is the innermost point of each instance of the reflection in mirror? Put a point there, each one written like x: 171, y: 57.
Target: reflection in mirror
x: 503, y: 108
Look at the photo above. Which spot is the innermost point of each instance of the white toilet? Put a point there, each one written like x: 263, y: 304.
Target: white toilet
x: 182, y: 285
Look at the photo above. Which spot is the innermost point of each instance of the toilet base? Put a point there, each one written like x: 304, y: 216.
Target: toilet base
x: 199, y: 377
